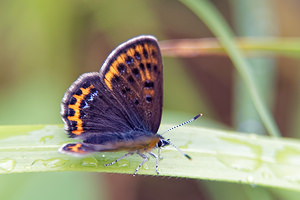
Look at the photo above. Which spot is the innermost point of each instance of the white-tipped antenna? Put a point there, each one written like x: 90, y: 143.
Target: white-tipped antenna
x: 187, y: 156
x: 189, y: 121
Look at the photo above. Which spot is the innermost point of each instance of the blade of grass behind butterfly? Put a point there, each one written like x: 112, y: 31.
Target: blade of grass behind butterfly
x: 245, y: 116
x: 289, y: 47
x: 206, y: 12
x: 245, y: 12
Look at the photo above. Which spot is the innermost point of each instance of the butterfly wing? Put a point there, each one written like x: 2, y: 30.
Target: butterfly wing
x: 88, y: 107
x: 126, y: 95
x: 133, y: 73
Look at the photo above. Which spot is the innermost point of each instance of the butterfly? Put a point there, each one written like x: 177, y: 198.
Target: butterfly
x: 118, y: 108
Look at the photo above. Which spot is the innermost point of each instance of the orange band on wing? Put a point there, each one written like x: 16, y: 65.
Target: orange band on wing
x: 76, y: 148
x: 146, y: 56
x: 76, y: 108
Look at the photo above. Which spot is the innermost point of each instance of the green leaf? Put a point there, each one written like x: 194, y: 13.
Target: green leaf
x: 216, y: 155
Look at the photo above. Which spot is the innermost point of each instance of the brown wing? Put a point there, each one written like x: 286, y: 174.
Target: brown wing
x: 88, y: 107
x: 133, y: 72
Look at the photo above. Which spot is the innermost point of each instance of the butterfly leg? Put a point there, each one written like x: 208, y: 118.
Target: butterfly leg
x: 124, y: 156
x: 159, y: 154
x: 156, y: 158
x: 141, y: 164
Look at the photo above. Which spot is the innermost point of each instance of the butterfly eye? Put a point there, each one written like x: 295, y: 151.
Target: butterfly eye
x: 159, y: 144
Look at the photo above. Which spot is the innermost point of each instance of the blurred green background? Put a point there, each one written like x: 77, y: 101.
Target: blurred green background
x: 46, y: 45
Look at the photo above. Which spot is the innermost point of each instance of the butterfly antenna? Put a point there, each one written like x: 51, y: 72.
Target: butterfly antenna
x: 189, y: 121
x: 182, y: 152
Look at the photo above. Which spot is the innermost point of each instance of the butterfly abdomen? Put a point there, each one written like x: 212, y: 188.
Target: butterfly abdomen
x: 140, y: 141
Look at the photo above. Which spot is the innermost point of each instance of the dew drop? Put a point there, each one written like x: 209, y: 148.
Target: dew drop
x: 28, y: 167
x: 287, y: 168
x: 241, y: 164
x: 55, y: 162
x: 89, y: 162
x: 250, y: 179
x: 7, y: 164
x: 237, y: 161
x: 51, y: 163
x: 123, y: 163
x: 145, y: 166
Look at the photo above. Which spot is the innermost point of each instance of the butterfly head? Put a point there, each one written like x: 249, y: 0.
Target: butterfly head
x: 162, y: 142
x: 165, y: 142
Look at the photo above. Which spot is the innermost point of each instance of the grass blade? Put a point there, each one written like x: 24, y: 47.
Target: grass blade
x: 205, y: 11
x: 216, y: 155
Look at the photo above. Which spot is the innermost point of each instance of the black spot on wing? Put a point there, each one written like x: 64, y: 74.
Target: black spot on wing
x: 78, y: 92
x: 142, y: 66
x: 73, y: 100
x: 149, y: 84
x: 129, y: 61
x: 145, y: 53
x: 148, y: 66
x: 137, y: 56
x: 121, y: 68
x: 83, y: 104
x: 136, y: 72
x: 86, y: 85
x: 148, y: 98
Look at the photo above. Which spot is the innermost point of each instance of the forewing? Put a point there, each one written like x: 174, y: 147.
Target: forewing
x: 133, y: 72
